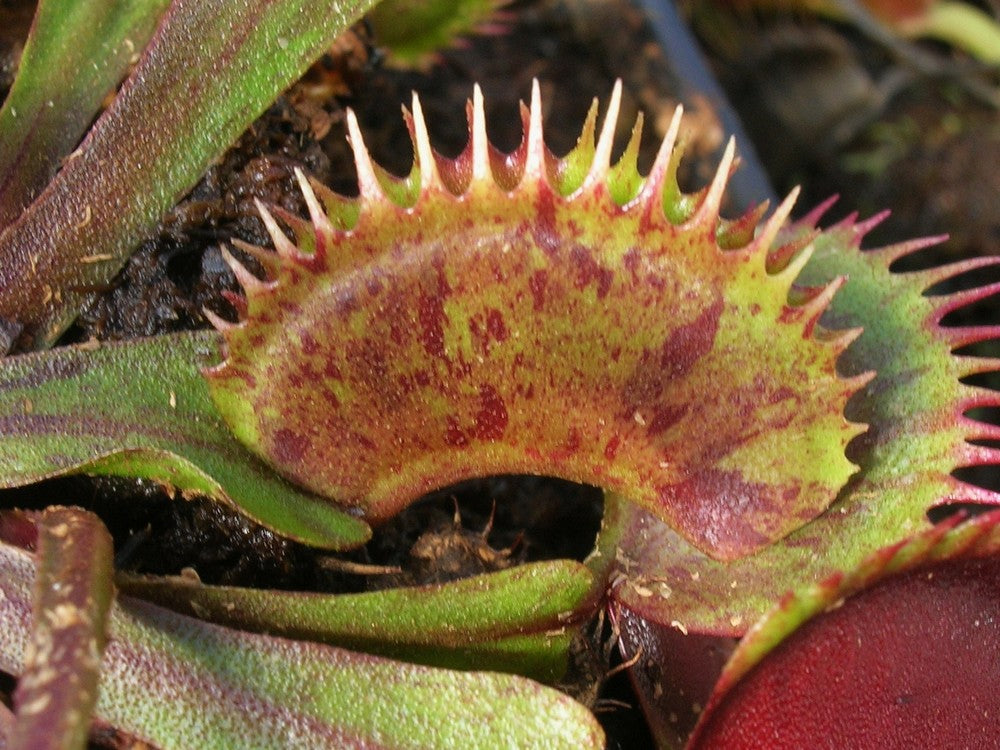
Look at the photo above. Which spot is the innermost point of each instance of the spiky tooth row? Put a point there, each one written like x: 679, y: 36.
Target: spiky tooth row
x: 531, y: 160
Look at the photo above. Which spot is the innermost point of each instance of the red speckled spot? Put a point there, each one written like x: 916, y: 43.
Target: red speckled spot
x: 430, y: 310
x: 491, y: 420
x: 910, y: 663
x: 589, y: 271
x: 677, y: 355
x: 666, y: 417
x: 545, y: 231
x: 309, y: 344
x: 453, y: 434
x: 611, y: 449
x: 495, y: 325
x: 537, y: 283
x: 715, y: 506
x: 690, y: 342
x: 289, y: 447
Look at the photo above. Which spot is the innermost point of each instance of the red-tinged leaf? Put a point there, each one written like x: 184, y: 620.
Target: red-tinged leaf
x: 901, y: 652
x: 673, y: 672
x: 519, y: 620
x: 57, y: 689
x: 210, y: 69
x: 75, y: 55
x: 174, y: 681
x: 19, y: 528
x: 917, y: 438
x: 141, y: 409
x: 515, y: 317
x: 6, y: 725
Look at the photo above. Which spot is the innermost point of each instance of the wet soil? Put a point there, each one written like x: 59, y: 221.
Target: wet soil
x: 824, y: 106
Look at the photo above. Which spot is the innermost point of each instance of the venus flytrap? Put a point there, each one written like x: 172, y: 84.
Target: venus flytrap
x: 765, y: 405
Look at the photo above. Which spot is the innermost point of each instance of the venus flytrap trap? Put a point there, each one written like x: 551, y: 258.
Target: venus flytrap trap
x: 578, y: 337
x: 765, y: 405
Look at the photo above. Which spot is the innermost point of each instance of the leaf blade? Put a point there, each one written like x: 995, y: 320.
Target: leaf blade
x: 142, y: 409
x: 174, y: 681
x: 210, y: 69
x: 518, y: 620
x: 76, y: 53
x: 73, y: 593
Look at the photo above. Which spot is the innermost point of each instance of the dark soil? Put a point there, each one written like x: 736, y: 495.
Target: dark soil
x: 825, y: 107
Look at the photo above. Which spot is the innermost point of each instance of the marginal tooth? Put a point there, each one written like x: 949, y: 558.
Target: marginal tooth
x: 586, y: 139
x: 847, y: 223
x: 652, y: 188
x: 845, y: 338
x: 964, y: 492
x: 931, y: 276
x: 267, y: 258
x: 956, y: 301
x: 480, y: 140
x: 779, y: 257
x: 978, y: 455
x: 818, y: 302
x: 316, y: 212
x: 806, y: 305
x: 769, y: 232
x: 602, y: 152
x: 321, y: 223
x: 535, y: 159
x: 891, y: 253
x: 303, y: 232
x: 811, y: 219
x: 855, y: 383
x: 631, y: 153
x: 424, y: 153
x: 976, y: 430
x: 219, y: 324
x: 369, y: 187
x: 976, y: 397
x: 791, y: 271
x: 966, y: 366
x: 708, y: 211
x: 839, y: 339
x: 967, y: 335
x: 238, y: 301
x: 622, y: 176
x: 864, y: 227
x: 282, y: 244
x: 247, y: 280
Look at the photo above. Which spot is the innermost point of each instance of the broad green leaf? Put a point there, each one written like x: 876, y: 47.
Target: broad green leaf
x: 176, y: 682
x: 519, y: 620
x: 142, y: 409
x: 73, y: 591
x: 210, y: 69
x: 75, y: 55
